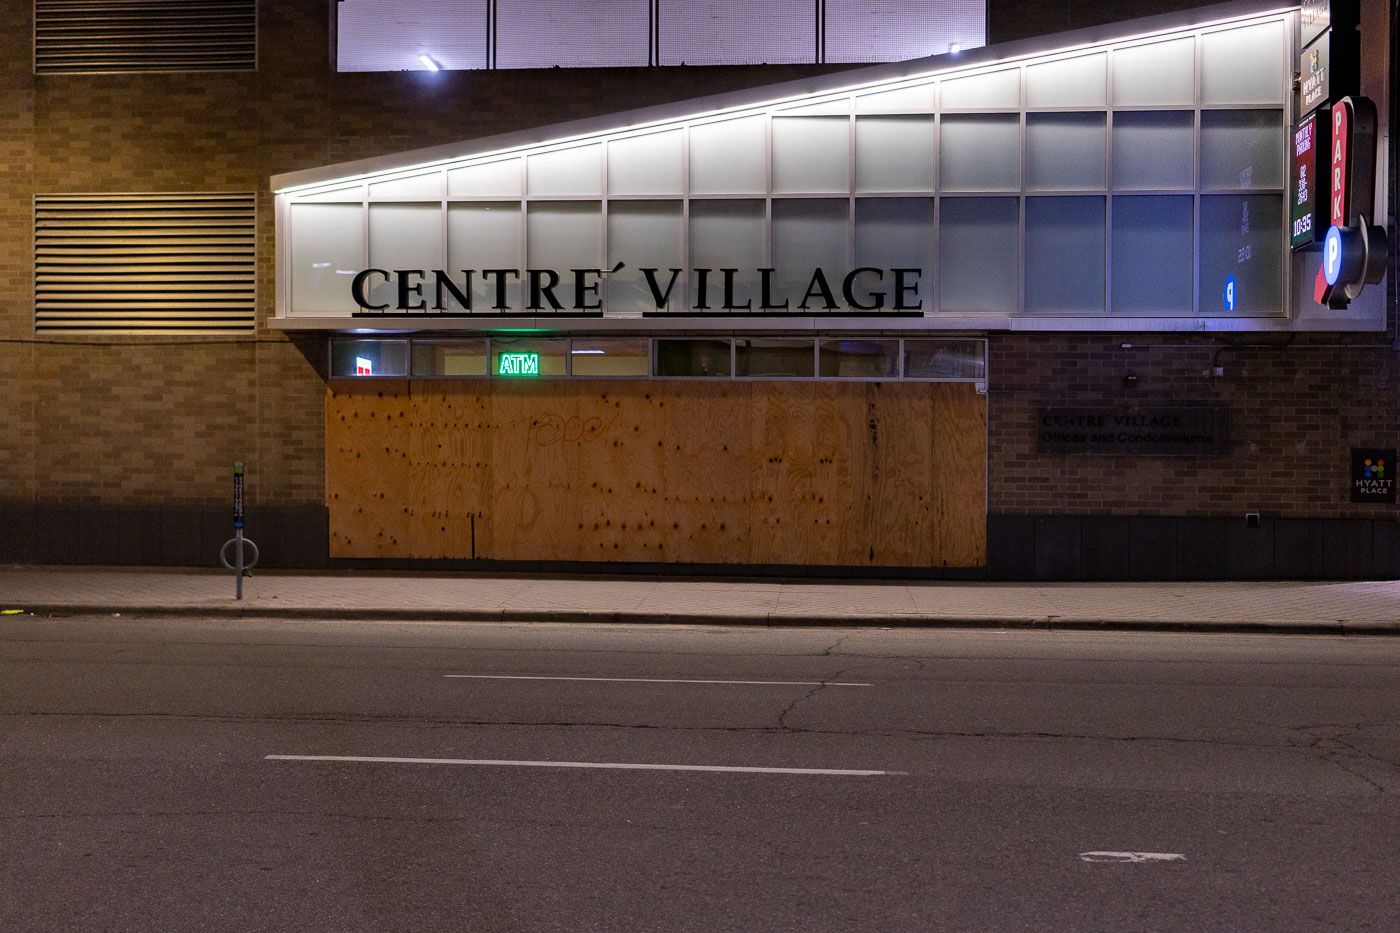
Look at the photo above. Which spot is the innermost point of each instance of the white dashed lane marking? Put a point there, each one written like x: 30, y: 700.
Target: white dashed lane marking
x: 659, y: 680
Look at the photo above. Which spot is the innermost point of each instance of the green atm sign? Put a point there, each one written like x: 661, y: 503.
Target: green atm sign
x: 518, y: 364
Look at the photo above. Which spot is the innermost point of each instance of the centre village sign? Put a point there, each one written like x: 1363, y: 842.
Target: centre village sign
x: 420, y: 291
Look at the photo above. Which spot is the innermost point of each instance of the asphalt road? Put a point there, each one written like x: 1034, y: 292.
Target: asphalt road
x: 174, y: 775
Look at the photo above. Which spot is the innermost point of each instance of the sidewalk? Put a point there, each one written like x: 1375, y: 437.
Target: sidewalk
x: 1300, y: 607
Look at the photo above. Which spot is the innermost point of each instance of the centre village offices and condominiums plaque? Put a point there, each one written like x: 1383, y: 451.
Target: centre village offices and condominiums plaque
x: 1149, y: 432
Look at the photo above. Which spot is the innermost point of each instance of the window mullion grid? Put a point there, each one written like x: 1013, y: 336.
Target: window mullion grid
x: 1196, y: 180
x: 1021, y: 200
x: 686, y: 260
x: 605, y: 147
x: 522, y: 292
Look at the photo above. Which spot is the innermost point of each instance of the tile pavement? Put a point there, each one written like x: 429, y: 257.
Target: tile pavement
x: 1302, y: 607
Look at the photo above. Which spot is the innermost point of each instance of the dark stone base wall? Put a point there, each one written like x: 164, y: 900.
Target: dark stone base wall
x: 1164, y: 547
x: 1019, y: 547
x: 293, y: 536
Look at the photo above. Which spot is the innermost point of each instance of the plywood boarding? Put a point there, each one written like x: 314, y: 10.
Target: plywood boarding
x: 367, y: 469
x: 449, y: 476
x: 824, y: 473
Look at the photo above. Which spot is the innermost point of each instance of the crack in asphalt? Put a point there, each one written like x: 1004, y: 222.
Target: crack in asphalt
x: 781, y: 728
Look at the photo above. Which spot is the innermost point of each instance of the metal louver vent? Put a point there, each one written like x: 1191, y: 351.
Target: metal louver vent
x: 144, y: 35
x: 144, y: 263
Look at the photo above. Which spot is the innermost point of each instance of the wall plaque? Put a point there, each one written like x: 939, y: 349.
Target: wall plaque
x: 1372, y: 474
x: 1316, y: 19
x: 1141, y: 432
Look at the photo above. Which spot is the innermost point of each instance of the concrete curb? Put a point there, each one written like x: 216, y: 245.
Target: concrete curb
x: 765, y: 619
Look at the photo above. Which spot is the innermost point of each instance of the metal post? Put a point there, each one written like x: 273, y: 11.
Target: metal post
x: 238, y: 528
x: 240, y: 565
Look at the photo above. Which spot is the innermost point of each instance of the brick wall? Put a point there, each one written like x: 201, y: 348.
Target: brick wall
x: 1296, y: 410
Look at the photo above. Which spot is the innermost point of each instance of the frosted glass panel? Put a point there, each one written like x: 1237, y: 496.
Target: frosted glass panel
x: 811, y: 155
x: 861, y: 31
x: 1241, y: 235
x: 418, y: 186
x: 646, y: 235
x: 1243, y: 66
x: 836, y: 105
x: 566, y: 33
x: 566, y: 171
x: 729, y: 157
x: 649, y: 164
x: 404, y: 236
x: 1160, y: 74
x: 485, y: 236
x: 1071, y: 82
x: 564, y: 236
x: 1242, y: 148
x: 918, y: 97
x: 894, y: 233
x: 979, y: 262
x: 1000, y: 89
x: 1065, y: 255
x: 894, y: 153
x: 980, y: 152
x: 1153, y: 149
x: 493, y: 178
x: 1152, y: 254
x: 328, y: 251
x: 1065, y: 150
x: 726, y: 235
x: 352, y: 193
x: 810, y: 234
x: 737, y: 32
x: 375, y: 36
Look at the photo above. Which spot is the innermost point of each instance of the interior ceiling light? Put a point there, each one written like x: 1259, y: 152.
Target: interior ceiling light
x: 429, y: 63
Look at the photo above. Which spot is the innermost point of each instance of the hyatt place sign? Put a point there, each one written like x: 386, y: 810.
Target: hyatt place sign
x: 423, y: 291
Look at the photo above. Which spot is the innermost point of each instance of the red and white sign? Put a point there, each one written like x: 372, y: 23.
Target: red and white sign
x: 1341, y: 166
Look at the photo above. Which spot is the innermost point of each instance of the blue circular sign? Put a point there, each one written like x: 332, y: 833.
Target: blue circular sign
x: 1332, y: 255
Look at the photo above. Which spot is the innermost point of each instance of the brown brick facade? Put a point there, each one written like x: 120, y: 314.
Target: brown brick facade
x: 1296, y: 409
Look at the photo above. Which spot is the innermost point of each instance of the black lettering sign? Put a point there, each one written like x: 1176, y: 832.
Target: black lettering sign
x: 1133, y: 432
x: 865, y: 290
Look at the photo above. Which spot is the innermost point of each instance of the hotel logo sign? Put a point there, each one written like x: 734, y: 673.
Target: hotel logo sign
x: 1373, y: 475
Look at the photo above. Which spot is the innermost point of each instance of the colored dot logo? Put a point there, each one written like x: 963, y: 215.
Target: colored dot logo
x: 1375, y: 469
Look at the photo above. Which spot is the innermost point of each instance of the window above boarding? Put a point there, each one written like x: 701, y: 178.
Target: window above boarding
x: 452, y: 35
